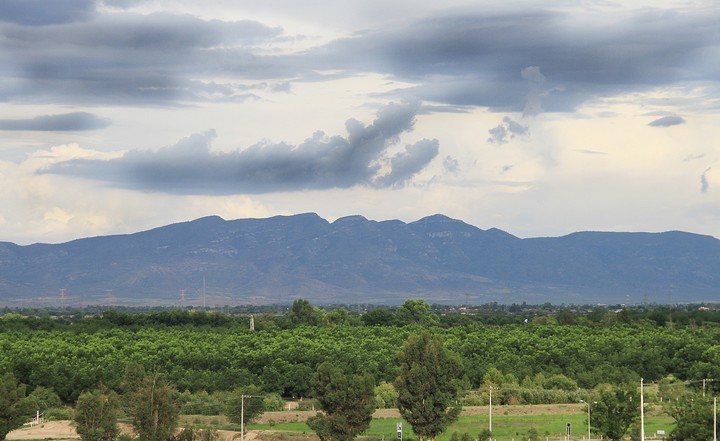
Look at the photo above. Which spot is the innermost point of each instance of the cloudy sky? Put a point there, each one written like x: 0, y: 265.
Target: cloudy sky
x: 540, y: 118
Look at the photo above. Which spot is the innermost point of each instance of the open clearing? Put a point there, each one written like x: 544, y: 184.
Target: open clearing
x: 508, y: 419
x: 537, y: 409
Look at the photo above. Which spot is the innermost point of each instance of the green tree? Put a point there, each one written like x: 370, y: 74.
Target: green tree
x: 493, y: 378
x: 427, y: 385
x: 246, y: 409
x: 671, y: 389
x: 693, y: 418
x: 485, y: 435
x: 346, y: 400
x: 616, y: 409
x: 386, y: 393
x: 378, y: 317
x: 44, y: 399
x: 304, y: 313
x: 415, y: 311
x: 96, y: 415
x: 339, y: 316
x: 15, y: 407
x: 566, y: 317
x: 190, y: 434
x: 560, y: 381
x: 153, y: 408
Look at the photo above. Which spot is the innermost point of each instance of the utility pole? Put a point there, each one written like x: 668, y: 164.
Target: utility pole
x: 491, y: 408
x: 242, y: 411
x: 642, y: 412
x: 705, y: 381
x: 714, y: 418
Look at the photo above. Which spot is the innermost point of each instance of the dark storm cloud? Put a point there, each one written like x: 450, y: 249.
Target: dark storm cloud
x: 529, y: 61
x: 76, y: 121
x: 45, y: 12
x: 127, y: 58
x: 667, y: 121
x: 123, y: 4
x: 479, y: 58
x: 409, y: 162
x: 320, y: 162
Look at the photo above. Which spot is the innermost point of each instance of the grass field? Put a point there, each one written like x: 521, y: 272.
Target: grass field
x: 505, y: 427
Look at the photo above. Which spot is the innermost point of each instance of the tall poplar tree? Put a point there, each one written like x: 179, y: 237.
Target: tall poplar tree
x: 15, y: 408
x: 153, y: 408
x: 348, y: 402
x: 428, y: 385
x: 96, y: 415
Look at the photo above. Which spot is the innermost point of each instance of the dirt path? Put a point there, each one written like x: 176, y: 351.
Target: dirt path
x: 57, y: 430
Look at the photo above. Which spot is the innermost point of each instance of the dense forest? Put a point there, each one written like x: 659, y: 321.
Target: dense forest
x: 534, y: 354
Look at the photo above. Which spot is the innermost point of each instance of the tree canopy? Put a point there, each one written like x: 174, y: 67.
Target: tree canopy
x: 693, y: 416
x: 15, y: 407
x: 96, y: 414
x: 617, y: 408
x: 152, y: 406
x: 347, y: 401
x: 245, y: 403
x: 427, y: 385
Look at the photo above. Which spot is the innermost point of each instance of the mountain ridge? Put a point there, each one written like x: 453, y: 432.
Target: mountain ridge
x: 356, y: 260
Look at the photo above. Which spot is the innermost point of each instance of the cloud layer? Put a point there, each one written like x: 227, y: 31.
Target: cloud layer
x: 535, y: 117
x: 667, y: 121
x: 76, y: 121
x: 524, y: 61
x: 363, y: 157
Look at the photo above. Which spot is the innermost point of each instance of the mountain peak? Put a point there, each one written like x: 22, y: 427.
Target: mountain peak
x: 437, y: 218
x: 355, y: 260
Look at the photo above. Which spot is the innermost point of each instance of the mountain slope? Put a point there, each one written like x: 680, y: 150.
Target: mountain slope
x: 356, y: 260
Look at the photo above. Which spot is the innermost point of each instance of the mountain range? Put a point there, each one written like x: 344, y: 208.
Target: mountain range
x: 353, y: 260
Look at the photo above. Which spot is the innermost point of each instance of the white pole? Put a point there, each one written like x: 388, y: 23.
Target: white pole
x: 491, y: 408
x: 642, y: 412
x: 588, y: 420
x: 242, y: 417
x: 715, y: 419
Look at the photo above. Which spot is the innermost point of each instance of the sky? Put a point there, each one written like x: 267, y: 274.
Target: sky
x: 540, y: 118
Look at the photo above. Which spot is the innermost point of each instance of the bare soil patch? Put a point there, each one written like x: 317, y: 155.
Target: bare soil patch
x: 59, y: 430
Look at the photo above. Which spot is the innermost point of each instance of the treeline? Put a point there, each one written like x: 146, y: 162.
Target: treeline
x: 303, y: 313
x: 199, y: 351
